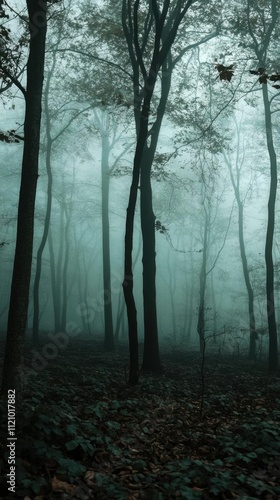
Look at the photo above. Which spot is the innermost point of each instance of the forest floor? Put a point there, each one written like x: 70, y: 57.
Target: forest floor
x: 83, y: 433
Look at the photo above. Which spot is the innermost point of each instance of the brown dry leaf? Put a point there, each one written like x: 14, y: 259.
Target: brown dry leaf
x: 89, y: 478
x: 89, y: 474
x: 137, y: 486
x: 61, y: 485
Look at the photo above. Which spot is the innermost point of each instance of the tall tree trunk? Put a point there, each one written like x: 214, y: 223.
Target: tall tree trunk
x: 172, y: 290
x: 84, y: 319
x: 67, y: 212
x: 190, y: 311
x: 252, y: 323
x: 273, y: 341
x: 120, y: 312
x: 163, y: 38
x: 236, y: 187
x: 107, y: 295
x: 56, y: 311
x: 215, y: 328
x: 202, y: 287
x: 151, y: 358
x: 128, y: 268
x: 59, y: 266
x: 121, y: 303
x: 18, y: 310
x: 36, y: 289
x: 129, y: 229
x: 86, y: 297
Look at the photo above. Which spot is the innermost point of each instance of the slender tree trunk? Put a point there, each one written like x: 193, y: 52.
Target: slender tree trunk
x: 120, y: 312
x: 252, y: 324
x: 80, y: 290
x: 191, y: 292
x: 246, y: 274
x: 56, y: 311
x: 107, y: 295
x: 172, y: 290
x: 128, y: 272
x: 214, y: 308
x: 65, y: 268
x: 36, y: 289
x: 18, y: 310
x: 273, y: 341
x: 164, y: 36
x: 128, y: 243
x: 121, y: 303
x: 202, y: 285
x: 59, y: 266
x: 151, y: 358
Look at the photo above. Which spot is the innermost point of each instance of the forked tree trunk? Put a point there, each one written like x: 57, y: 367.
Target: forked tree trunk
x: 165, y: 31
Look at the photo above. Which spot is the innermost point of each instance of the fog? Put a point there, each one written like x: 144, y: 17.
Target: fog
x: 147, y: 138
x: 186, y: 166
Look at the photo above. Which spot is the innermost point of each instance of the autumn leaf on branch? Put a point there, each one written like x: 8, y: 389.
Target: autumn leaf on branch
x: 10, y: 136
x: 160, y: 227
x: 275, y: 78
x: 225, y: 72
x: 264, y: 77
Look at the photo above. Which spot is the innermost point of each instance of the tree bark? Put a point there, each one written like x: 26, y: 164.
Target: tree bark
x: 202, y: 285
x: 14, y: 352
x: 163, y: 41
x: 56, y: 309
x: 190, y: 308
x: 107, y: 294
x: 36, y: 288
x: 252, y: 323
x: 67, y: 211
x: 246, y: 274
x: 151, y: 358
x: 272, y: 329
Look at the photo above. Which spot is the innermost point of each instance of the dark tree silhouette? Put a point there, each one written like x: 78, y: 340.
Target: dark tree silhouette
x: 160, y: 30
x: 14, y: 352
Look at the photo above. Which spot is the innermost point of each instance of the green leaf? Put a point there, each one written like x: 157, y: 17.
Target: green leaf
x: 252, y: 454
x: 218, y: 462
x: 139, y: 464
x: 113, y: 425
x: 71, y: 467
x: 72, y: 445
x: 71, y: 429
x: 260, y: 451
x: 58, y: 431
x: 197, y: 462
x: 37, y: 484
